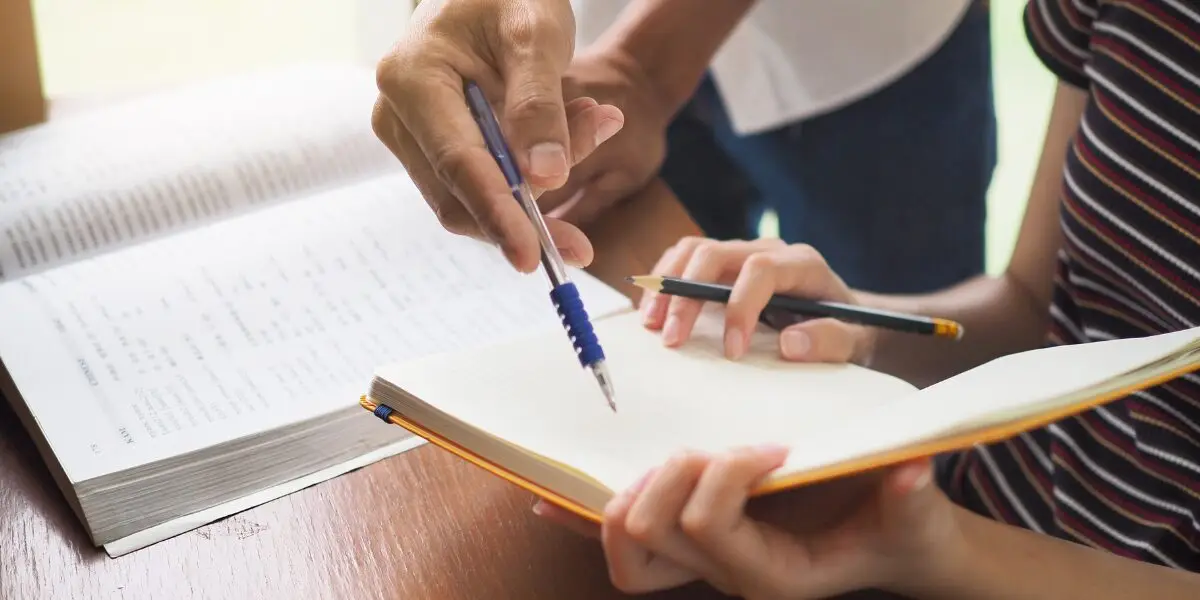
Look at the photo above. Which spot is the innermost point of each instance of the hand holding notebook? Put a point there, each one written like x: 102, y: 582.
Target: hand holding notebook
x: 529, y: 415
x: 761, y: 423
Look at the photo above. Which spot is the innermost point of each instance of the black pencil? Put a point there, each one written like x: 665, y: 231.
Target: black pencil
x: 807, y: 308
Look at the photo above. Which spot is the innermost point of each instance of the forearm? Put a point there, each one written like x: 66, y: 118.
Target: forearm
x: 994, y: 560
x: 999, y: 317
x: 673, y: 42
x: 1004, y: 314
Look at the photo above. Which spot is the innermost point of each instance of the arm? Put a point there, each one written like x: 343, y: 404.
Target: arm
x: 1001, y: 314
x: 672, y: 42
x: 983, y: 564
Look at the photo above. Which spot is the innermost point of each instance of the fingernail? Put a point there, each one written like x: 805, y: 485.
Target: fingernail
x: 607, y: 129
x: 735, y: 343
x: 569, y: 257
x: 547, y: 160
x: 650, y: 300
x: 671, y: 331
x: 795, y: 344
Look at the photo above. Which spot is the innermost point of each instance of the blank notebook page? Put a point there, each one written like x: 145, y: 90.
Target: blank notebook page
x: 533, y: 393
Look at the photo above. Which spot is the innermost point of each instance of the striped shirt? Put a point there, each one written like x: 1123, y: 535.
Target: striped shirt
x: 1124, y: 477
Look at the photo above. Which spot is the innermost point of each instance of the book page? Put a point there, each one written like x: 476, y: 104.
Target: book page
x: 255, y: 322
x: 1013, y: 387
x: 531, y: 394
x: 163, y: 163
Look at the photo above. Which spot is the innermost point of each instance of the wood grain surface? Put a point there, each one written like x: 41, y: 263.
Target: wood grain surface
x: 419, y: 525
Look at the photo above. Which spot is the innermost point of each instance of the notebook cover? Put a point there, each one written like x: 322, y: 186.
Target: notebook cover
x: 543, y: 492
x: 912, y: 452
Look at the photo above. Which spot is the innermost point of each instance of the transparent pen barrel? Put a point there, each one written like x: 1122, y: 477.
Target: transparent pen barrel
x: 551, y: 260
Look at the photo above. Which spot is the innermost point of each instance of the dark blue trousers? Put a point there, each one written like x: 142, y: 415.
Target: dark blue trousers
x: 891, y: 189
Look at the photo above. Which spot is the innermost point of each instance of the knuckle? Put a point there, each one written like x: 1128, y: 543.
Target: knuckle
x: 706, y: 252
x: 379, y: 120
x: 691, y: 242
x: 808, y: 254
x: 724, y: 468
x: 685, y: 463
x: 393, y: 74
x: 450, y: 164
x: 530, y: 31
x: 453, y: 218
x: 641, y: 528
x: 698, y: 523
x: 532, y: 101
x: 682, y: 306
x: 760, y: 262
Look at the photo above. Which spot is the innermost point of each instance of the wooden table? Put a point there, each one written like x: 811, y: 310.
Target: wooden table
x: 419, y: 525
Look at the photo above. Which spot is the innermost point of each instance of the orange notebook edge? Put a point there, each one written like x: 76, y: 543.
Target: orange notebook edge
x: 966, y: 439
x: 545, y: 493
x: 859, y: 465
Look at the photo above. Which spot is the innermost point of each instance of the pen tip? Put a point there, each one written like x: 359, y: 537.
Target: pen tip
x: 600, y: 371
x: 629, y: 278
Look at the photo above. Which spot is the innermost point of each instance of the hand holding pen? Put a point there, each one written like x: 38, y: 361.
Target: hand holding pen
x: 563, y: 293
x: 765, y: 275
x: 421, y: 117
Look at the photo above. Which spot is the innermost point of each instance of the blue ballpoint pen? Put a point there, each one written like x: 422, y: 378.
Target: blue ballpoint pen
x: 563, y: 292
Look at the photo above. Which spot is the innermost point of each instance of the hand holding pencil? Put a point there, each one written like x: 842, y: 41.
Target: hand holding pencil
x: 757, y: 277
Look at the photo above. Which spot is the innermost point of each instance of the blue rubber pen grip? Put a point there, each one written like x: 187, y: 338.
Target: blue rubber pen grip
x: 564, y: 294
x: 575, y: 319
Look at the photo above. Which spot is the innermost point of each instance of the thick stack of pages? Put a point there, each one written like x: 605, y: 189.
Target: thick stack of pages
x: 195, y: 287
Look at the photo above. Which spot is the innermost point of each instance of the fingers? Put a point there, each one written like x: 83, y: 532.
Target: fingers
x: 567, y: 519
x: 451, y: 213
x: 590, y: 125
x: 714, y: 515
x: 460, y: 169
x: 653, y: 305
x: 680, y: 258
x: 691, y: 512
x: 632, y: 566
x: 760, y: 269
x: 709, y: 262
x: 821, y: 340
x: 574, y: 245
x: 534, y: 117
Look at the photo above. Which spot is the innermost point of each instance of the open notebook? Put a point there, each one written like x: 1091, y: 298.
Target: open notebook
x: 524, y: 410
x: 195, y: 284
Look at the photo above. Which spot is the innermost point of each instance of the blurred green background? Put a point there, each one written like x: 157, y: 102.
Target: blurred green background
x: 117, y: 47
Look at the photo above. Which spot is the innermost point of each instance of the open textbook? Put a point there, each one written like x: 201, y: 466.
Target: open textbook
x: 195, y: 285
x: 527, y: 415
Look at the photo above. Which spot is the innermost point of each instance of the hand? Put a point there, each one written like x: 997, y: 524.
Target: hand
x: 688, y: 520
x: 757, y: 269
x: 626, y: 162
x: 517, y: 51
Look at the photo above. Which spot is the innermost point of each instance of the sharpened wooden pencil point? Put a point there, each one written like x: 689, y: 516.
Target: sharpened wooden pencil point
x: 649, y: 282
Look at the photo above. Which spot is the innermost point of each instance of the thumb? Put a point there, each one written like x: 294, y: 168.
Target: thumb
x: 535, y: 118
x: 823, y: 340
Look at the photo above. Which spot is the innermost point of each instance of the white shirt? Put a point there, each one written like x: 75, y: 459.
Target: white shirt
x: 790, y: 59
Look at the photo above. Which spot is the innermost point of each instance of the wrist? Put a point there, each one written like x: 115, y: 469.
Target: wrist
x: 672, y: 43
x: 937, y: 568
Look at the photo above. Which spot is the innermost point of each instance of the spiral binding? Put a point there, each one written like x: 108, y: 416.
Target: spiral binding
x: 575, y: 319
